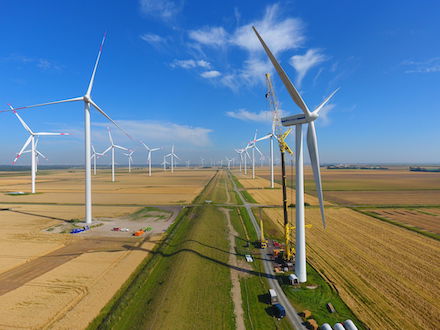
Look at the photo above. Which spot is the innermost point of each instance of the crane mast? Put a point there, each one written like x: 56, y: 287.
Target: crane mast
x: 277, y: 132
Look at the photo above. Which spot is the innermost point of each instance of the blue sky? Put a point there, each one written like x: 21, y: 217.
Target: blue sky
x: 192, y: 73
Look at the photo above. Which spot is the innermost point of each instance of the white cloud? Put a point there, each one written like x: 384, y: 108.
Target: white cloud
x: 190, y: 64
x: 163, y: 9
x: 210, y: 36
x: 40, y: 63
x: 243, y: 114
x: 153, y: 39
x: 280, y: 34
x: 210, y: 74
x: 303, y: 63
x: 156, y: 132
x: 428, y: 66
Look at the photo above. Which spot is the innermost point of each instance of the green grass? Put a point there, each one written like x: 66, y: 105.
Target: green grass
x: 248, y: 197
x: 315, y: 300
x: 146, y: 212
x: 253, y: 286
x: 185, y: 283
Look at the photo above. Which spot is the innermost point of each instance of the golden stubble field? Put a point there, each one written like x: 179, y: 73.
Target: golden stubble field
x: 396, y: 186
x: 72, y: 294
x: 386, y: 274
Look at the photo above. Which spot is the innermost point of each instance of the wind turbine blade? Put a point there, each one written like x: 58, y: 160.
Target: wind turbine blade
x: 256, y: 148
x: 22, y: 149
x: 106, y: 116
x: 155, y: 149
x: 26, y: 127
x: 264, y: 137
x: 255, y: 136
x: 93, y: 149
x: 146, y: 147
x: 46, y: 133
x: 119, y: 147
x: 285, y: 79
x: 89, y: 89
x: 312, y: 146
x: 325, y: 102
x: 176, y: 156
x: 39, y: 153
x: 248, y: 154
x: 106, y: 150
x: 110, y: 135
x: 42, y: 104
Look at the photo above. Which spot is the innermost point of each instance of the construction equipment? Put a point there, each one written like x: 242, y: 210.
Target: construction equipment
x: 263, y: 241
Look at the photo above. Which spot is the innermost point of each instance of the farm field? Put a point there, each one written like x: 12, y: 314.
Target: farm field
x: 67, y: 187
x: 386, y: 274
x: 396, y: 186
x: 72, y: 291
x: 426, y: 219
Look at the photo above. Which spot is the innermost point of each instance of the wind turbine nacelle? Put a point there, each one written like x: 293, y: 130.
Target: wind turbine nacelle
x: 298, y: 119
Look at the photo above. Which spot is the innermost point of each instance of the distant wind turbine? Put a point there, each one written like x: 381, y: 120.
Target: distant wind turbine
x: 130, y: 159
x: 112, y: 147
x: 150, y: 151
x: 172, y: 155
x: 31, y: 140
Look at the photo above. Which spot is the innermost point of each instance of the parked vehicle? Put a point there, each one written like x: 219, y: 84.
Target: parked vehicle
x: 279, y: 311
x: 273, y: 296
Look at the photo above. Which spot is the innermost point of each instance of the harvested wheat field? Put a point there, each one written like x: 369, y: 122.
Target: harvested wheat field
x: 422, y: 219
x: 386, y: 274
x: 76, y: 275
x: 257, y: 188
x: 136, y: 188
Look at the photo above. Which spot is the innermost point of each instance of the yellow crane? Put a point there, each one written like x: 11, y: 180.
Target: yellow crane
x: 284, y: 147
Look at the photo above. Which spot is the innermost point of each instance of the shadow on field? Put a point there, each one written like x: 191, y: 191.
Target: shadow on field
x: 246, y: 242
x: 166, y: 255
x: 36, y: 215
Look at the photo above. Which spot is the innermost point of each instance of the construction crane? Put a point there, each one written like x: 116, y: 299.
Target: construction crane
x: 281, y: 136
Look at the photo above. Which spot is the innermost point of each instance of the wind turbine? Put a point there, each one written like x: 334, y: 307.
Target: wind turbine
x: 252, y: 145
x: 229, y: 162
x: 240, y: 152
x: 130, y: 159
x: 33, y: 151
x: 164, y: 163
x: 172, y: 155
x: 203, y: 162
x: 94, y: 157
x: 187, y: 164
x: 307, y: 117
x: 112, y: 147
x: 87, y: 103
x: 150, y: 151
x: 38, y: 154
x: 276, y: 124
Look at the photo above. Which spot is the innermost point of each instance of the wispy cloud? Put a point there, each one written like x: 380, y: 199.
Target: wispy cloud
x: 190, y: 64
x: 428, y: 66
x: 210, y: 36
x: 210, y: 74
x: 303, y: 63
x: 41, y: 63
x: 280, y: 34
x: 156, y: 132
x: 162, y: 9
x: 154, y: 40
x: 245, y: 115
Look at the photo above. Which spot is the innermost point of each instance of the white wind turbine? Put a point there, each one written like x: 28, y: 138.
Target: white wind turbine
x: 172, y: 155
x: 34, y: 152
x: 94, y: 157
x: 112, y: 147
x: 307, y: 117
x: 229, y: 162
x: 164, y: 163
x: 130, y: 159
x: 240, y: 152
x: 187, y: 164
x: 203, y: 162
x: 275, y: 123
x: 87, y: 159
x: 150, y: 151
x: 253, y: 145
x: 38, y: 154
